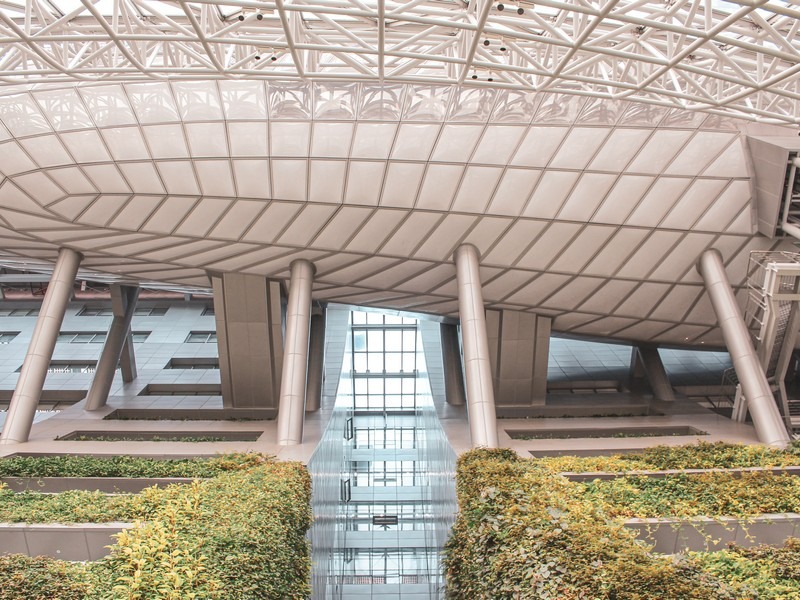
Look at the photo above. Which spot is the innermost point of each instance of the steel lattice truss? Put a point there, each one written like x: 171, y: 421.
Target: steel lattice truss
x: 732, y: 58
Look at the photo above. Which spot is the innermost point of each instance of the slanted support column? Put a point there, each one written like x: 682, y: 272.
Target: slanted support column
x: 766, y: 418
x: 650, y: 362
x: 291, y: 410
x: 451, y: 362
x: 28, y: 391
x: 477, y: 368
x: 316, y: 361
x: 124, y: 298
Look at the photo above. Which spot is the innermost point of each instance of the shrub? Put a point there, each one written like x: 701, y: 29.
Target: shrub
x: 40, y: 578
x: 524, y: 532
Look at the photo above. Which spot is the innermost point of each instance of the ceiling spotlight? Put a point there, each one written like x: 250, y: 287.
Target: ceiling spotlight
x: 520, y: 11
x: 501, y: 6
x: 240, y: 17
x: 486, y: 42
x: 490, y: 78
x: 259, y: 16
x: 474, y: 76
x: 258, y: 56
x: 274, y: 58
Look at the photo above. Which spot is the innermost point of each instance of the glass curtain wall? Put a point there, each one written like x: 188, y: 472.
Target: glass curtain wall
x: 385, y: 448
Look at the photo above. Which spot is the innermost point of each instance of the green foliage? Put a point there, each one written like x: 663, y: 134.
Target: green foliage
x: 688, y: 495
x: 702, y: 455
x: 238, y: 536
x: 762, y: 572
x: 125, y: 466
x: 40, y: 578
x: 525, y: 532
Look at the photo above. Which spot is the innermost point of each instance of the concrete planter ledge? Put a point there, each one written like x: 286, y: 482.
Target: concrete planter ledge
x: 107, y: 485
x: 706, y: 534
x: 737, y: 472
x: 80, y: 542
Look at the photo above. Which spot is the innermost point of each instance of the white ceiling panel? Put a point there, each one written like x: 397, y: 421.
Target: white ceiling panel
x: 39, y: 187
x: 289, y: 139
x: 411, y: 232
x: 169, y: 214
x: 364, y: 182
x: 702, y: 312
x: 587, y: 195
x: 439, y: 186
x: 215, y: 177
x: 744, y: 223
x: 243, y: 99
x: 125, y: 143
x: 401, y: 271
x: 573, y: 293
x: 550, y: 193
x: 486, y: 232
x: 538, y: 289
x: 237, y: 220
x: 498, y: 144
x: 72, y: 180
x: 513, y: 192
x: 538, y: 146
x: 662, y: 196
x: 13, y: 197
x: 506, y: 283
x: 152, y: 102
x: 659, y: 151
x: 700, y: 194
x: 46, y: 151
x: 103, y: 210
x: 341, y: 227
x: 730, y: 202
x: 672, y: 266
x: 252, y: 178
x: 71, y: 206
x: 64, y: 109
x: 85, y: 146
x: 641, y: 301
x: 440, y: 243
x: 583, y: 248
x: 205, y: 214
x: 272, y: 222
x: 515, y: 241
x: 608, y: 297
x: 402, y: 184
x: 248, y: 139
x: 615, y: 252
x: 549, y: 245
x: 660, y: 243
x: 731, y: 163
x: 353, y: 274
x: 207, y: 139
x: 430, y: 279
x: 619, y: 148
x: 108, y: 105
x: 415, y: 141
x: 143, y: 175
x: 677, y: 302
x: 579, y: 147
x: 331, y: 140
x: 248, y: 262
x: 197, y: 100
x: 166, y: 141
x: 310, y: 221
x: 698, y: 152
x: 477, y: 188
x: 604, y: 326
x: 326, y: 181
x: 622, y: 199
x: 456, y: 143
x: 374, y: 232
x: 178, y: 177
x: 13, y: 159
x: 373, y: 140
x: 289, y: 179
x: 22, y: 116
x: 136, y: 212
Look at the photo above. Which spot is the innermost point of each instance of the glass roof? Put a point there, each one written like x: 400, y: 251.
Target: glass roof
x: 698, y: 55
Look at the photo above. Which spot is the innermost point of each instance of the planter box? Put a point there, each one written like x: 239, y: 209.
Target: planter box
x: 107, y: 485
x: 704, y: 534
x: 736, y: 472
x: 163, y: 436
x: 82, y: 542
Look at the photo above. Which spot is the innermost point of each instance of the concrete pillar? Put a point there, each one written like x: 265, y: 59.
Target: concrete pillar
x: 477, y: 368
x: 316, y: 362
x: 118, y: 334
x: 28, y: 391
x: 291, y: 410
x: 453, y: 371
x: 650, y: 362
x: 766, y: 417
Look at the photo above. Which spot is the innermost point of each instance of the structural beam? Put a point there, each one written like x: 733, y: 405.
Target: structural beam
x: 451, y: 362
x: 654, y: 371
x: 766, y: 417
x: 316, y: 362
x: 28, y: 391
x: 118, y: 335
x: 478, y: 370
x: 291, y: 410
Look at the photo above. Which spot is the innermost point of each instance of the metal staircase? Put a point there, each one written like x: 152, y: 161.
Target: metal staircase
x: 773, y: 315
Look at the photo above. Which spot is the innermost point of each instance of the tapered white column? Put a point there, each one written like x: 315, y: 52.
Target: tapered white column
x: 112, y: 349
x: 291, y: 410
x: 28, y: 391
x: 316, y: 363
x: 477, y: 368
x: 766, y: 417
